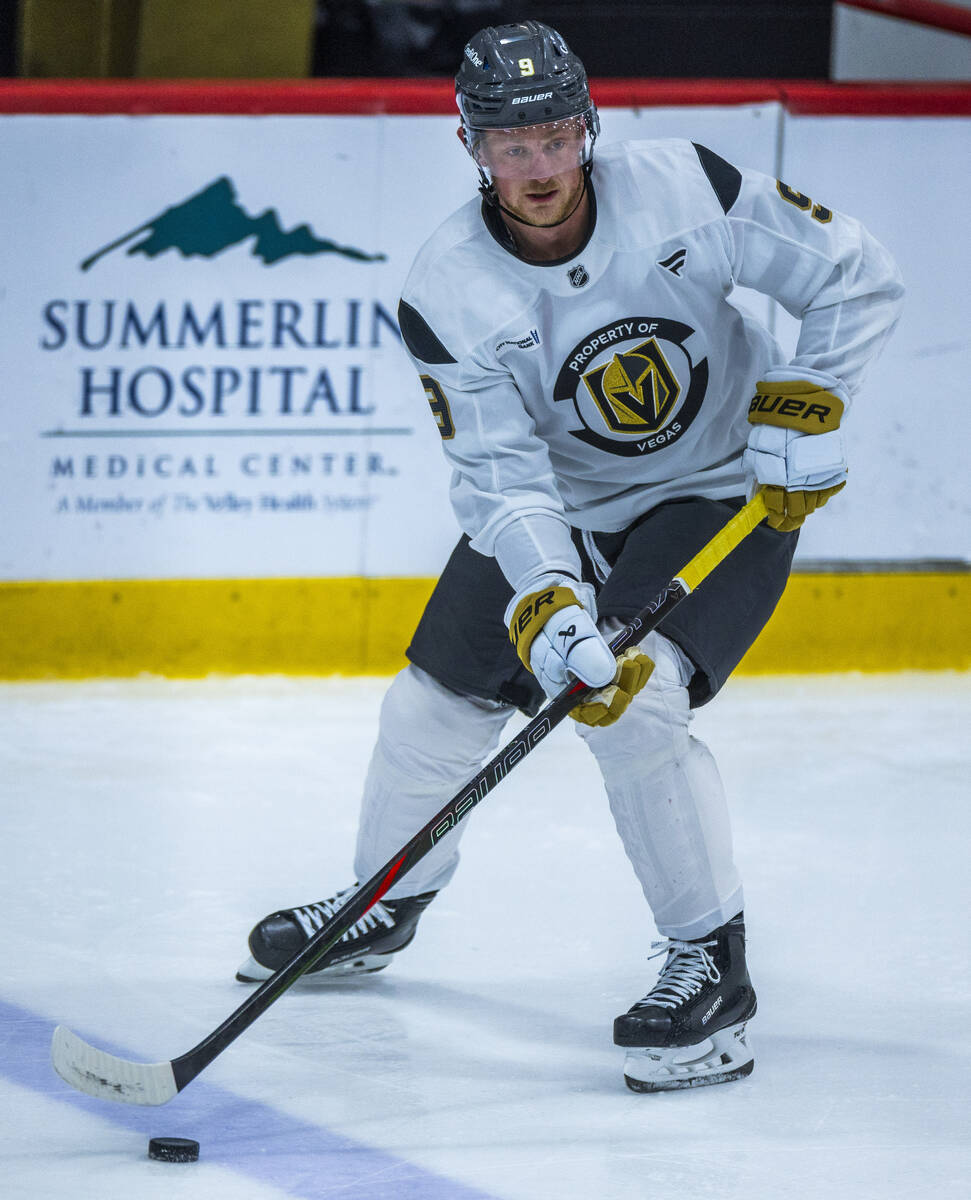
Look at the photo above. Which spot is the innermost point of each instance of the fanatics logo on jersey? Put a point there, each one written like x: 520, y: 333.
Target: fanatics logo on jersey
x: 674, y: 262
x: 578, y: 276
x: 636, y: 384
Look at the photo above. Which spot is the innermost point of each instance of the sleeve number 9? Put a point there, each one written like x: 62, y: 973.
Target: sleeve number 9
x: 818, y: 213
x: 439, y: 406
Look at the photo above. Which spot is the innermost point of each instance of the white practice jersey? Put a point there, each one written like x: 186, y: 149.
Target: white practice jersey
x: 586, y: 391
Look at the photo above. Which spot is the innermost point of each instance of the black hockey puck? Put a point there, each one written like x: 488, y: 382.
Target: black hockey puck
x: 173, y: 1149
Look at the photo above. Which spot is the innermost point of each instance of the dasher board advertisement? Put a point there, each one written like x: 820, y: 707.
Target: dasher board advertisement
x: 203, y: 372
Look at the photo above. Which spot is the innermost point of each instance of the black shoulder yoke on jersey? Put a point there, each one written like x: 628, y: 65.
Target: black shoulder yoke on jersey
x: 725, y: 179
x: 418, y: 336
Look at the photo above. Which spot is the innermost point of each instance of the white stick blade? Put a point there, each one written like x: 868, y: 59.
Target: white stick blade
x: 109, y: 1078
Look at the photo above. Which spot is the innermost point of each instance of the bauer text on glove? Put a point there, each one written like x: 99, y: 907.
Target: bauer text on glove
x: 795, y: 448
x: 556, y: 637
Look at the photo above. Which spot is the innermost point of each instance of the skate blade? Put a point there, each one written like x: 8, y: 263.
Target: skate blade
x: 366, y: 964
x: 721, y: 1058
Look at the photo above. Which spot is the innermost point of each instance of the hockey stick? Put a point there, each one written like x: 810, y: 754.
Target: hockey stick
x: 111, y: 1078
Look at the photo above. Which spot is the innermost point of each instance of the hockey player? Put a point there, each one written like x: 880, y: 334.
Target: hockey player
x: 593, y: 387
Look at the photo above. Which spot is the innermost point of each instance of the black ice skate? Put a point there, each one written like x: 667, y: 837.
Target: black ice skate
x: 689, y: 1030
x: 368, y: 945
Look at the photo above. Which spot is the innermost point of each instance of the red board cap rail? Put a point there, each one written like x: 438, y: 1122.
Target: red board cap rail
x: 436, y: 96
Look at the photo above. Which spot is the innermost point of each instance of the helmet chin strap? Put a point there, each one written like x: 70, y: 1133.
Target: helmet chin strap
x: 489, y: 194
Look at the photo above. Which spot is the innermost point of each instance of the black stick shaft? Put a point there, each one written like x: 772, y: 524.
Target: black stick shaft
x: 187, y: 1066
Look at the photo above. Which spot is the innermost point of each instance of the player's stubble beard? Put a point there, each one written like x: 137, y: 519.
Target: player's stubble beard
x: 542, y: 216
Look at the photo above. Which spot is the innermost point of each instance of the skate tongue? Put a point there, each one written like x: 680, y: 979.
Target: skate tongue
x: 688, y: 967
x: 312, y: 917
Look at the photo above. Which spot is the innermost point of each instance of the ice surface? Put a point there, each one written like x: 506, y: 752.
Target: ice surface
x: 147, y: 824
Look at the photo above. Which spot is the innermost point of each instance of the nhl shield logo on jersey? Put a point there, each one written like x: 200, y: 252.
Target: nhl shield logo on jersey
x: 636, y: 384
x: 578, y: 275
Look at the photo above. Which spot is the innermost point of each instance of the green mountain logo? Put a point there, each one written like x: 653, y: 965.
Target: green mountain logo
x: 212, y: 221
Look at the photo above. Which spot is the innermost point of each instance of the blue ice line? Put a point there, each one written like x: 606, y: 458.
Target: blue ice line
x: 249, y: 1137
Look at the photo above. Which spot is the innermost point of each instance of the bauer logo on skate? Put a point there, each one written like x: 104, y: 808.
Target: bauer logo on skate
x: 711, y: 1011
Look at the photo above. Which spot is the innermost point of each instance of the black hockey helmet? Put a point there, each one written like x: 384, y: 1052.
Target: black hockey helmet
x: 524, y: 74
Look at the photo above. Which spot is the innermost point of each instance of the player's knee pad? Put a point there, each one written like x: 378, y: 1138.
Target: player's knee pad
x: 655, y: 726
x: 667, y: 801
x: 430, y: 741
x: 428, y: 730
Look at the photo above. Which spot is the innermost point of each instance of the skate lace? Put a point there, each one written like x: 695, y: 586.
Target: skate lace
x: 689, y: 966
x: 314, y: 916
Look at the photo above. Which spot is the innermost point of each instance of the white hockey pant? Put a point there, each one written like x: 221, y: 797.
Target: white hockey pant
x: 430, y: 741
x: 668, y: 802
x: 664, y: 790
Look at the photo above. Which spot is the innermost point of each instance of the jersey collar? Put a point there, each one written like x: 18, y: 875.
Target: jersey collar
x: 500, y: 232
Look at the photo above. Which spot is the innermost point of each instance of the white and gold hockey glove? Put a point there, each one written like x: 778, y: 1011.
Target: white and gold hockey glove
x: 604, y: 706
x: 795, y: 448
x: 553, y: 630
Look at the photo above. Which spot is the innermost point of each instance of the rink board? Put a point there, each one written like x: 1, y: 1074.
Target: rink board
x: 826, y: 621
x: 217, y: 457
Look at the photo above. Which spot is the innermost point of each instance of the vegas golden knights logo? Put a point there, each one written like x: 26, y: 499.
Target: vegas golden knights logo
x: 636, y: 384
x: 636, y: 390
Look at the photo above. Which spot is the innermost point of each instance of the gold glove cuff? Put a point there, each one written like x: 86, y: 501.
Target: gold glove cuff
x: 532, y: 613
x: 796, y: 404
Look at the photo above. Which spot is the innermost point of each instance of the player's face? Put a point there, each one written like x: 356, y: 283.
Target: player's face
x: 536, y: 171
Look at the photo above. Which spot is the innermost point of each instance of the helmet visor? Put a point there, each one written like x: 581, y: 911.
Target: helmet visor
x: 532, y: 151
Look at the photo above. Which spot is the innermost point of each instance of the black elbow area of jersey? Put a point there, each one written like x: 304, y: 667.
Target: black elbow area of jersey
x: 725, y: 179
x: 418, y: 336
